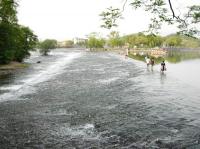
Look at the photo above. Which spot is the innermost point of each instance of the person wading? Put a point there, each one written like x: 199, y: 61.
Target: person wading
x: 163, y: 67
x: 147, y: 61
x: 152, y: 62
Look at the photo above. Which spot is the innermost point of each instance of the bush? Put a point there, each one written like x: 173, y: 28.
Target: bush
x: 46, y: 46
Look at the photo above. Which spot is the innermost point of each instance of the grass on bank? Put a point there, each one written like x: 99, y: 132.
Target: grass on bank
x: 142, y: 58
x: 13, y: 66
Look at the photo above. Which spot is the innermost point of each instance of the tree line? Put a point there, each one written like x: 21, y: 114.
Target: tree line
x: 140, y: 40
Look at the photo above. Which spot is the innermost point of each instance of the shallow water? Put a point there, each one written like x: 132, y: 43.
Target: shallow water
x: 77, y: 99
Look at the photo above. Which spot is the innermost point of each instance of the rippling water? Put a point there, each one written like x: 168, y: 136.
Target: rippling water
x: 77, y: 99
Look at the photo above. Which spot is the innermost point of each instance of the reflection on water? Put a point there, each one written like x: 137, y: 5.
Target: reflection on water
x: 163, y: 77
x: 187, y: 71
x: 172, y: 56
x: 175, y: 56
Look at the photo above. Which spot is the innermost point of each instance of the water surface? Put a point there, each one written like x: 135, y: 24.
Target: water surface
x: 77, y: 99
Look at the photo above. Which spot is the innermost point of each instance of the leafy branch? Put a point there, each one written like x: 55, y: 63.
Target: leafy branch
x: 162, y: 12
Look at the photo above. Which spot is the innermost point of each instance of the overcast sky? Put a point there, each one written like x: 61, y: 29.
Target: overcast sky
x: 66, y: 19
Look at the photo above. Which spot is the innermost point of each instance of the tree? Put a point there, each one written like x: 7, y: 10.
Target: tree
x: 115, y: 40
x: 25, y: 42
x: 154, y: 41
x: 7, y: 18
x: 95, y: 41
x: 46, y: 45
x: 130, y: 40
x: 189, y: 42
x: 162, y: 11
x: 15, y: 40
x: 140, y: 40
x: 173, y: 41
x: 8, y: 9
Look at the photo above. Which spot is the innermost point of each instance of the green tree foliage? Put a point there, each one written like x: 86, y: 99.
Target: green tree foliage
x: 15, y: 40
x: 95, y: 42
x: 140, y: 40
x: 110, y: 17
x: 173, y: 41
x: 115, y: 40
x: 154, y: 41
x: 26, y: 41
x: 162, y: 11
x: 176, y: 40
x: 130, y: 40
x: 46, y: 46
x: 189, y: 42
x: 8, y: 11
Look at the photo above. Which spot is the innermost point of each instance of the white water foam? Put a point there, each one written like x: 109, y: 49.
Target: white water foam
x: 11, y: 87
x: 86, y: 131
x: 109, y: 80
x: 41, y: 76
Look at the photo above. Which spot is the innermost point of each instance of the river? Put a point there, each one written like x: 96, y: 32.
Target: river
x: 78, y: 99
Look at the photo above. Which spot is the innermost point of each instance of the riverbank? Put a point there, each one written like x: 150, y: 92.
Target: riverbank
x: 9, y: 68
x: 158, y: 55
x: 142, y: 58
x: 170, y: 55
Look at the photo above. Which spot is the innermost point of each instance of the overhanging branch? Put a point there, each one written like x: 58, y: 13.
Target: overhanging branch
x: 172, y: 10
x: 174, y: 15
x: 123, y: 8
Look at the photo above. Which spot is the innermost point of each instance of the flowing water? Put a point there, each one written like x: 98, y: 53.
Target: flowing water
x: 77, y: 99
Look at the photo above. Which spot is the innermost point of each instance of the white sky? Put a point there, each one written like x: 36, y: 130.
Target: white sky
x: 66, y: 19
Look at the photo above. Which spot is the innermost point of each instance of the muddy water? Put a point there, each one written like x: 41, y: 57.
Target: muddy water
x: 77, y: 99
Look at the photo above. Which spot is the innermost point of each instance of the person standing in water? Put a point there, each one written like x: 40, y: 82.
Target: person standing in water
x: 147, y: 61
x: 152, y: 62
x: 163, y: 67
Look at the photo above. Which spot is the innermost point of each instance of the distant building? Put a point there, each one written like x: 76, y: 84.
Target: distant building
x: 65, y: 44
x: 80, y: 40
x: 61, y: 43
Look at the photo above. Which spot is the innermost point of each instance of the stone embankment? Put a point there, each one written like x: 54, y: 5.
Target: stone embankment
x: 151, y: 52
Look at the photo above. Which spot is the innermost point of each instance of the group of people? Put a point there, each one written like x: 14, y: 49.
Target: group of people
x: 151, y: 61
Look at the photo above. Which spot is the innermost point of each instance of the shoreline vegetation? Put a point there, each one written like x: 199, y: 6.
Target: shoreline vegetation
x: 137, y: 54
x: 12, y: 66
x: 173, y: 48
x: 172, y: 55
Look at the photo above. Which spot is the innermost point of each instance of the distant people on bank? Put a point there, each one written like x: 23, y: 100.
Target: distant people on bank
x: 163, y: 67
x: 147, y: 61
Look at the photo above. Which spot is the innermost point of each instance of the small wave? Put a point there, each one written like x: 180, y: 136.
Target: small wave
x: 109, y: 80
x: 12, y: 87
x: 86, y: 131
